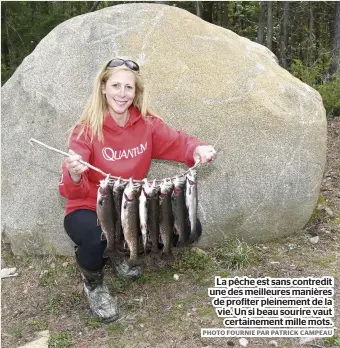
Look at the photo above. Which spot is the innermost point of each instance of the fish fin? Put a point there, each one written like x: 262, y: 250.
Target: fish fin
x: 193, y: 237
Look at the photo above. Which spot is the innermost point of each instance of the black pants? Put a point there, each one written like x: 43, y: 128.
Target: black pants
x: 81, y: 226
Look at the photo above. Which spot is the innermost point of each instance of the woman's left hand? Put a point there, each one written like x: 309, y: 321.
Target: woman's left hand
x: 205, y: 153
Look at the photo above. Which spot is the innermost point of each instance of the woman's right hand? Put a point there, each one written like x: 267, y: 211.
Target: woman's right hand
x: 74, y: 167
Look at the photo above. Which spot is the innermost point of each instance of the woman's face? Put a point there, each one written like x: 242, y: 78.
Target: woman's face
x: 120, y: 90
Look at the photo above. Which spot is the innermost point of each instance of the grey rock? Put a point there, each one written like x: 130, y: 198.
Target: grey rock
x: 203, y: 79
x: 314, y: 240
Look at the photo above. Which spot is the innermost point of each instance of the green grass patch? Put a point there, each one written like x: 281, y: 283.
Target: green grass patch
x: 17, y: 331
x: 94, y: 323
x: 47, y: 277
x: 115, y: 329
x: 233, y: 254
x: 334, y: 340
x: 61, y: 340
x: 206, y: 312
x: 193, y: 261
x: 39, y: 325
x: 54, y: 304
x: 120, y: 285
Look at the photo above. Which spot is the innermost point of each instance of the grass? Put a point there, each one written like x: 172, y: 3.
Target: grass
x: 54, y: 305
x: 61, y: 340
x: 115, y: 329
x: 94, y: 323
x: 335, y: 340
x: 193, y: 261
x: 17, y: 331
x: 233, y: 254
x: 39, y: 325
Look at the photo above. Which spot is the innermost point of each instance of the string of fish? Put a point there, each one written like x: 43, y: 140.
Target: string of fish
x: 125, y: 209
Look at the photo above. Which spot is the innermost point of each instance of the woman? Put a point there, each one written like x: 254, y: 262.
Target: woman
x: 118, y: 134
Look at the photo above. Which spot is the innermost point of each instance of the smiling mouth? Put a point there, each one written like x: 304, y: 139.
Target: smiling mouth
x: 120, y: 102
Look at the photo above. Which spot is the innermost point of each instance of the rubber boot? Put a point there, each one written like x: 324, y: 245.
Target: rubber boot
x: 123, y: 269
x: 102, y: 304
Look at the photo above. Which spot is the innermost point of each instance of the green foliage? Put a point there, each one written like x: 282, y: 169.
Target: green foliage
x: 94, y: 323
x: 315, y: 76
x: 330, y: 93
x: 233, y: 254
x: 61, y: 340
x: 39, y: 325
x: 334, y: 340
x: 193, y: 261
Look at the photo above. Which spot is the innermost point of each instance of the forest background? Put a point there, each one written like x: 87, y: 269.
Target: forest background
x: 304, y: 35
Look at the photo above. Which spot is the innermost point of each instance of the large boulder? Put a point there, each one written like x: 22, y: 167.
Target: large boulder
x: 202, y: 79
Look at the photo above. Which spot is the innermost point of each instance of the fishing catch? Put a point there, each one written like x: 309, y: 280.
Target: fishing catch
x: 180, y: 211
x: 117, y: 191
x: 130, y: 219
x: 153, y: 218
x: 143, y: 212
x: 191, y: 203
x: 106, y: 216
x: 166, y: 219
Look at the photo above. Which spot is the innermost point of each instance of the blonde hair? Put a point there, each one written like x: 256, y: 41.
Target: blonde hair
x: 93, y: 115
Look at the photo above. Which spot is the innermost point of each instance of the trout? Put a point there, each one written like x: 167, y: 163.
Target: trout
x: 153, y: 217
x: 191, y: 202
x: 180, y: 211
x: 130, y: 219
x: 106, y: 216
x: 166, y: 219
x: 143, y: 212
x: 117, y: 190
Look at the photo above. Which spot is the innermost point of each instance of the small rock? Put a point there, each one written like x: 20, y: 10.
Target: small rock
x: 198, y: 250
x: 273, y: 343
x: 52, y: 265
x: 329, y: 212
x: 304, y: 340
x: 188, y: 314
x: 314, y: 240
x: 230, y: 343
x: 141, y: 325
x: 30, y: 267
x: 243, y: 342
x: 8, y: 272
x: 274, y: 262
x: 25, y: 291
x: 176, y: 276
x: 65, y: 264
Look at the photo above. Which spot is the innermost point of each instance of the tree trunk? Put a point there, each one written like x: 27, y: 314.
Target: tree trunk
x: 262, y: 19
x: 284, y: 35
x: 224, y: 14
x: 94, y: 6
x: 208, y: 11
x: 336, y: 41
x: 198, y: 9
x: 311, y: 36
x: 4, y: 37
x: 270, y: 25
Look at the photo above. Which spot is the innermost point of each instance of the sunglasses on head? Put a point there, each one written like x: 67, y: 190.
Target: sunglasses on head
x: 119, y: 62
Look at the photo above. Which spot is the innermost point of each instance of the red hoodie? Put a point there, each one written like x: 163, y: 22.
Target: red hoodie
x: 126, y: 151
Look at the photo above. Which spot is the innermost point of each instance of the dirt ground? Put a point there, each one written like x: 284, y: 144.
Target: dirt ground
x: 159, y: 311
